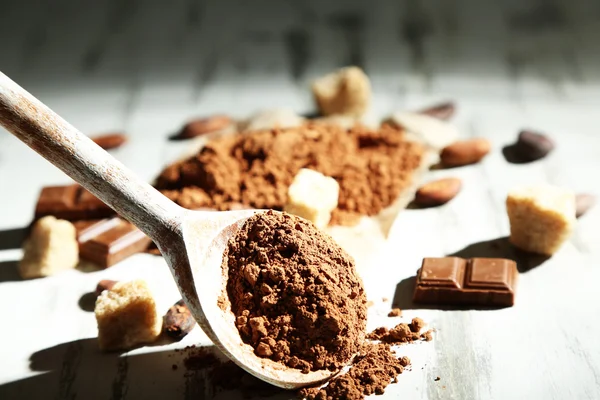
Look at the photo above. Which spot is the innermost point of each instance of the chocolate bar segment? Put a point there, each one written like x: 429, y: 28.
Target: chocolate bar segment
x: 473, y: 282
x: 443, y: 272
x: 108, y: 241
x: 71, y: 203
x: 56, y: 200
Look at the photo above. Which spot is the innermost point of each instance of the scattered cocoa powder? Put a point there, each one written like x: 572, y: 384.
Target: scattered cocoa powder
x: 370, y: 373
x: 401, y: 333
x: 199, y: 358
x: 396, y: 312
x: 255, y: 169
x: 417, y: 324
x: 295, y: 293
x: 227, y: 376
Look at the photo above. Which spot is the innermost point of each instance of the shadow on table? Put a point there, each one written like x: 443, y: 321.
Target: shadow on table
x: 79, y: 370
x: 501, y: 248
x: 12, y: 238
x: 9, y: 271
x: 496, y: 248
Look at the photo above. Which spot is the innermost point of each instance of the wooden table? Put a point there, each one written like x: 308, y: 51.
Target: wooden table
x: 145, y: 68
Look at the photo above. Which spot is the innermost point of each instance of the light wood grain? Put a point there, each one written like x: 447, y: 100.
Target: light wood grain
x: 116, y: 67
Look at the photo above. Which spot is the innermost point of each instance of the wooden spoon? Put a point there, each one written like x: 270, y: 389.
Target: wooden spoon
x: 192, y: 242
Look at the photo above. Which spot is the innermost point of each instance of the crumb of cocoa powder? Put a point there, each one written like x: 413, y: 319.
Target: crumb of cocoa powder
x: 370, y: 373
x: 416, y: 325
x: 437, y: 378
x: 385, y: 299
x: 427, y: 336
x: 396, y: 312
x: 174, y: 367
x: 295, y: 293
x: 372, y: 168
x: 401, y: 333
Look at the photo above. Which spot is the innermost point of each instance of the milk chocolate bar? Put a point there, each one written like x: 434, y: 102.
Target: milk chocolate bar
x: 106, y: 242
x: 472, y: 282
x: 71, y: 203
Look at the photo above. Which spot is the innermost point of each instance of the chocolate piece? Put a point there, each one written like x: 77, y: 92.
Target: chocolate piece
x: 71, y: 203
x: 477, y: 281
x: 108, y: 241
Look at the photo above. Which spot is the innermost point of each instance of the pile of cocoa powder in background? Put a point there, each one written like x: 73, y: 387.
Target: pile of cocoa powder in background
x: 255, y: 169
x: 295, y: 293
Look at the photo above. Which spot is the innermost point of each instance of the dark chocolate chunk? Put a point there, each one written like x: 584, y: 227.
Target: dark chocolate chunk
x: 108, y: 241
x: 477, y: 281
x: 71, y: 203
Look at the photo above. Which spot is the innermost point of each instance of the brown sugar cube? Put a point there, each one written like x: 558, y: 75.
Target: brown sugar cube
x: 312, y: 196
x: 126, y: 316
x: 346, y: 91
x: 541, y: 217
x: 51, y: 247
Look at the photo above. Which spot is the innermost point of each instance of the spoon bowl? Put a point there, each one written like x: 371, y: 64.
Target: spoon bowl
x: 192, y: 242
x: 210, y: 305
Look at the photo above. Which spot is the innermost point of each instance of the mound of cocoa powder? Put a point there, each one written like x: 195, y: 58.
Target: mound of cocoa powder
x: 295, y: 293
x: 255, y: 169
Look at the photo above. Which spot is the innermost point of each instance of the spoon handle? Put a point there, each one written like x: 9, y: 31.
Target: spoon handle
x: 64, y: 146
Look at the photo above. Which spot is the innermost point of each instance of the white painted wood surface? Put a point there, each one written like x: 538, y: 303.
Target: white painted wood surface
x: 145, y: 68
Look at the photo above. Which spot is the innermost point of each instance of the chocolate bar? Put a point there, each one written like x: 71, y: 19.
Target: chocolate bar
x: 472, y: 282
x: 106, y: 242
x: 71, y: 203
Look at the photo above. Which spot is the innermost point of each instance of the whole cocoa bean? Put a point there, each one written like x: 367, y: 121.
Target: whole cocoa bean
x: 443, y: 111
x: 465, y: 152
x: 532, y: 146
x: 105, y: 284
x: 178, y: 321
x: 437, y: 192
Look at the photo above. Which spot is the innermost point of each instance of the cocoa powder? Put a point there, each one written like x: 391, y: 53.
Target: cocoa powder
x: 401, y: 333
x: 295, y: 293
x: 371, y: 372
x: 255, y: 169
